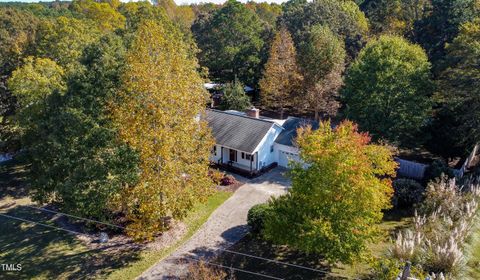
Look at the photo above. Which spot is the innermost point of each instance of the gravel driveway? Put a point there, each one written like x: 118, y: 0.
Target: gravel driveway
x: 226, y: 225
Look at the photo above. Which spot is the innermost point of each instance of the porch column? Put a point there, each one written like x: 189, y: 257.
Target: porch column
x: 221, y: 154
x: 251, y: 160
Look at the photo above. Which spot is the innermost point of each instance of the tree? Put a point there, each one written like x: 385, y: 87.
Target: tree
x: 457, y: 123
x: 31, y: 84
x: 337, y: 195
x: 63, y: 39
x: 441, y: 26
x: 265, y: 11
x: 232, y: 43
x: 281, y: 78
x: 35, y: 80
x: 388, y: 90
x: 103, y: 13
x: 158, y: 114
x: 17, y: 37
x: 344, y: 19
x: 323, y: 61
x: 394, y: 16
x: 183, y: 16
x: 234, y: 97
x: 77, y: 160
x: 136, y: 12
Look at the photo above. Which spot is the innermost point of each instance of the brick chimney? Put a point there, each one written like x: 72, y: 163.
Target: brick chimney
x: 253, y: 112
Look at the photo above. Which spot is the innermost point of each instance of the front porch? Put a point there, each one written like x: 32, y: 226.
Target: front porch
x: 238, y: 159
x: 238, y: 162
x: 243, y: 172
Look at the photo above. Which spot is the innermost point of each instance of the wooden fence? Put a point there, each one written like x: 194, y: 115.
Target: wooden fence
x: 460, y: 172
x: 416, y: 170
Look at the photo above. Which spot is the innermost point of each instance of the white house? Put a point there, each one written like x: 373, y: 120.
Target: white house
x: 251, y: 143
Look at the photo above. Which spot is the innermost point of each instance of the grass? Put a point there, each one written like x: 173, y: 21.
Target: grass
x: 472, y: 270
x: 46, y: 253
x: 194, y: 221
x: 392, y: 222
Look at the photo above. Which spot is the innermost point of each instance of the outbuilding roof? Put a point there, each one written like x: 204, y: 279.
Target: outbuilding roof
x: 236, y: 131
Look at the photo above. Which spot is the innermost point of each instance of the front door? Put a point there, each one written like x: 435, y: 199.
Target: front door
x: 233, y: 155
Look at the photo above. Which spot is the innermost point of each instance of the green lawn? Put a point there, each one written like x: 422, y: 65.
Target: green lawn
x: 473, y: 255
x: 46, y: 253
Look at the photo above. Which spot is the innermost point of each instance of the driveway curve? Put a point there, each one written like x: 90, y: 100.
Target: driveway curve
x: 226, y: 226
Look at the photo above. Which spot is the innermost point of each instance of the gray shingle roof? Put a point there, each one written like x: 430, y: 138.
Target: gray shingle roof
x: 237, y: 132
x: 290, y: 127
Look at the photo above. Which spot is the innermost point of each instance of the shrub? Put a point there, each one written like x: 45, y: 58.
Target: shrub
x: 387, y: 269
x: 228, y: 180
x: 256, y: 216
x: 407, y: 192
x: 203, y: 271
x: 436, y: 169
x: 216, y: 176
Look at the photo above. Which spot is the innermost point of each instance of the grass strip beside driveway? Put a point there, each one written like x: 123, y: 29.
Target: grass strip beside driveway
x: 197, y: 217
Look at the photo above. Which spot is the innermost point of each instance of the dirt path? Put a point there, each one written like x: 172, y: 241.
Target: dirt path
x: 226, y: 225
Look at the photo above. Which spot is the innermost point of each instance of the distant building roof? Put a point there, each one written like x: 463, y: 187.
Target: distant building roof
x: 290, y: 126
x: 247, y: 88
x: 212, y: 85
x: 237, y: 131
x: 218, y: 86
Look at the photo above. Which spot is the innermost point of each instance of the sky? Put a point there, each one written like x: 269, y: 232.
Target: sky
x: 176, y: 1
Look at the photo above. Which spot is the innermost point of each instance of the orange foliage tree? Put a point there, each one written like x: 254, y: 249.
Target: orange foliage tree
x: 337, y: 194
x: 281, y: 78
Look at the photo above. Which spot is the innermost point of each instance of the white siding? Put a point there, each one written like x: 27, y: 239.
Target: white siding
x: 266, y: 149
x: 215, y: 156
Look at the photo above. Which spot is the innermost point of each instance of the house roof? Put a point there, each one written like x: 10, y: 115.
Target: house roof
x: 290, y: 126
x: 237, y: 131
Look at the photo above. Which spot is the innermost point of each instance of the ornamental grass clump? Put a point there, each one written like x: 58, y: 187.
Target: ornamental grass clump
x: 441, y: 227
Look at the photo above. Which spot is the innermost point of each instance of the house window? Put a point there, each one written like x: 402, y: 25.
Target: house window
x: 214, y: 150
x: 271, y: 149
x: 249, y: 157
x: 243, y: 155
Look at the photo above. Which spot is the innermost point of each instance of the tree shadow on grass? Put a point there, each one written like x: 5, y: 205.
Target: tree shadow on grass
x: 235, y: 257
x: 297, y: 262
x: 13, y: 179
x: 54, y: 254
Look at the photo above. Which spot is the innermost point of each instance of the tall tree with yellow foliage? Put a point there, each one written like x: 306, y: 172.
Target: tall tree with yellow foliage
x: 159, y: 115
x: 281, y: 79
